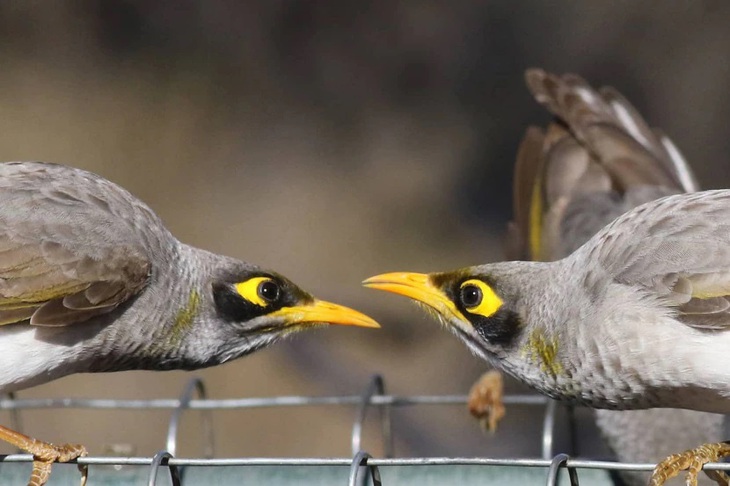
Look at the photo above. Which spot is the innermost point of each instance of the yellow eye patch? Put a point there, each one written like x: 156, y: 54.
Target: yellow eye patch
x: 479, y: 298
x: 249, y: 290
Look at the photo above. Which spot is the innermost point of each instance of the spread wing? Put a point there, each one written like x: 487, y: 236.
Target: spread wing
x: 595, y: 161
x: 599, y: 159
x: 678, y: 248
x: 612, y: 131
x: 68, y: 249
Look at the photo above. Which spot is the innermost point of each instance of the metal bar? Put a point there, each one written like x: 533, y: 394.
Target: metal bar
x: 194, y: 385
x: 259, y: 402
x: 572, y: 433
x: 15, y: 422
x: 346, y: 461
x: 554, y: 470
x: 376, y: 387
x: 162, y: 458
x: 360, y: 463
x: 555, y: 411
x: 548, y: 428
x: 374, y: 396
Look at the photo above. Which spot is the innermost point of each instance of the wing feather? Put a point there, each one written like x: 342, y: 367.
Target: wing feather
x: 677, y: 249
x: 69, y: 245
x: 596, y: 160
x: 600, y: 158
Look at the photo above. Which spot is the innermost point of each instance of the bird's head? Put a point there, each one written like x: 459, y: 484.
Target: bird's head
x: 251, y: 308
x: 477, y: 303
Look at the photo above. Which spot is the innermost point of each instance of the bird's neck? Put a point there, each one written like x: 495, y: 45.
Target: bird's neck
x: 156, y: 330
x: 174, y: 322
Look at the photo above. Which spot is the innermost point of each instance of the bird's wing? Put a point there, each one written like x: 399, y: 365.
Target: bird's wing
x: 66, y: 252
x: 524, y: 205
x: 612, y: 131
x: 677, y: 248
x: 596, y: 160
x: 590, y: 201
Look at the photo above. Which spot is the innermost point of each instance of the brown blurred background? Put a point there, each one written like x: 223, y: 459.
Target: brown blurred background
x: 331, y: 141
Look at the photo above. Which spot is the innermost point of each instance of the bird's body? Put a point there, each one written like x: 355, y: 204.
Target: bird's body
x: 160, y: 340
x: 75, y: 220
x: 631, y: 315
x: 92, y: 281
x: 635, y: 318
x: 597, y: 159
x: 574, y: 356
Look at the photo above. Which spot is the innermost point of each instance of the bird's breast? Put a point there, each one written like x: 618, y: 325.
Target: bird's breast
x: 29, y: 359
x: 636, y: 355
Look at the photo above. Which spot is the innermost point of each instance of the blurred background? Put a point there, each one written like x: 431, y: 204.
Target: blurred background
x: 331, y: 141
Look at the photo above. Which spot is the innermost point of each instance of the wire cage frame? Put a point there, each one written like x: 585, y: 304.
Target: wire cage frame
x: 364, y: 469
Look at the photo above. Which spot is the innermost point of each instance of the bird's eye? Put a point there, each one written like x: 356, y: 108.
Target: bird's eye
x: 479, y: 298
x: 471, y: 296
x: 261, y: 291
x: 268, y: 290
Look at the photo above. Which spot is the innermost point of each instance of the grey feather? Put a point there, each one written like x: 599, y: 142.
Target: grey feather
x: 94, y: 282
x: 9, y: 316
x: 608, y: 127
x: 642, y: 248
x: 590, y: 203
x: 69, y: 270
x: 55, y: 314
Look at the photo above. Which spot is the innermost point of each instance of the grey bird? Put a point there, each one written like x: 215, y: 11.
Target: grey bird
x: 638, y: 316
x: 91, y: 281
x: 566, y: 188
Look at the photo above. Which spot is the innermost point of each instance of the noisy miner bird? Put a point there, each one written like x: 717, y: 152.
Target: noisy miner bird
x: 637, y: 317
x: 567, y: 186
x: 91, y: 281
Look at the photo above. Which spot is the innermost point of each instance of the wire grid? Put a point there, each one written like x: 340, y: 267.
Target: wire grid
x: 364, y: 468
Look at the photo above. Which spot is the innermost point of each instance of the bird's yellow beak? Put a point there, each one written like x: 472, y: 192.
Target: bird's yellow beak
x: 322, y: 312
x: 417, y: 286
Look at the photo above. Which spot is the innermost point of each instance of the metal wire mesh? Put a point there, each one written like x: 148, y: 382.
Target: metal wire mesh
x: 363, y: 468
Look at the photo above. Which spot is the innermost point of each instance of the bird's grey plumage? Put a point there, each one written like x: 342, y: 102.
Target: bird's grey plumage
x: 91, y: 280
x: 683, y: 258
x: 634, y: 435
x: 618, y: 163
x: 571, y: 330
x: 634, y: 318
x: 76, y: 247
x: 582, y: 188
x: 610, y: 129
x: 64, y: 256
x: 601, y: 293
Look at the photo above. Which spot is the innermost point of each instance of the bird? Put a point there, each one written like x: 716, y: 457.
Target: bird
x: 92, y: 281
x: 566, y: 188
x: 637, y: 317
